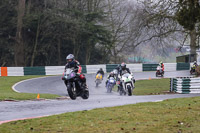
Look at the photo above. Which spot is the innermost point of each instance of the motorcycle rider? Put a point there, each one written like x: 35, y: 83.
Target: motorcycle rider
x: 123, y: 69
x: 195, y: 64
x: 162, y: 66
x: 72, y: 63
x: 110, y: 75
x: 101, y: 72
x: 118, y: 67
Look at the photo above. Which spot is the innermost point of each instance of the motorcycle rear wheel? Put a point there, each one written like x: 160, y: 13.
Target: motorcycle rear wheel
x: 85, y: 94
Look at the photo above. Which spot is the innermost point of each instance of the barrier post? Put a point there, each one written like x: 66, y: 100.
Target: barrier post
x: 171, y: 84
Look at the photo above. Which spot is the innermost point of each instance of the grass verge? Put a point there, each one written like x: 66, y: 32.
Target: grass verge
x: 6, y: 92
x: 169, y: 116
x: 152, y: 87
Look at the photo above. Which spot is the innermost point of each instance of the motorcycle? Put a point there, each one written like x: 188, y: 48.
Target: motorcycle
x: 192, y: 70
x: 98, y: 80
x: 74, y: 85
x: 110, y: 84
x: 126, y: 84
x: 159, y: 71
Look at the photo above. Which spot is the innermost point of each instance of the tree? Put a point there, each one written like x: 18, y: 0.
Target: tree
x: 188, y: 15
x: 19, y: 46
x: 7, y: 31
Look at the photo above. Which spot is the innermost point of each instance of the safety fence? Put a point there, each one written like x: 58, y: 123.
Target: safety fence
x: 185, y: 85
x: 57, y: 70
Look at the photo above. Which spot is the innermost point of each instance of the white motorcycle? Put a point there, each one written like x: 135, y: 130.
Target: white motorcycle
x: 127, y: 84
x: 159, y: 71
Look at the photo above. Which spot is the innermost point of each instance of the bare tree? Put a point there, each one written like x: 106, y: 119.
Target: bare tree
x: 119, y: 13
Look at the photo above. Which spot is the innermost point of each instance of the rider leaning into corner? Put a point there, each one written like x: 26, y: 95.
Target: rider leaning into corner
x: 74, y: 64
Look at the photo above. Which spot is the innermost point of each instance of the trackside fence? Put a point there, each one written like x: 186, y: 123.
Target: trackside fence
x: 58, y: 70
x: 185, y: 85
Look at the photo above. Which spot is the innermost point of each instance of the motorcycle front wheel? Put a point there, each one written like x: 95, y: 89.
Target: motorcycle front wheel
x: 71, y: 92
x: 109, y: 89
x: 156, y: 74
x: 129, y: 91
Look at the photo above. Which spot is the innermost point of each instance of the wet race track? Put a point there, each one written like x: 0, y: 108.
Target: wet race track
x: 98, y: 97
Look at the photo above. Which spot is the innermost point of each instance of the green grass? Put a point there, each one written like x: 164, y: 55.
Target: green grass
x: 6, y: 92
x: 169, y: 116
x: 151, y: 87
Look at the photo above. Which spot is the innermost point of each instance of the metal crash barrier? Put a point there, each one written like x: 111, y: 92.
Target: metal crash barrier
x: 185, y: 85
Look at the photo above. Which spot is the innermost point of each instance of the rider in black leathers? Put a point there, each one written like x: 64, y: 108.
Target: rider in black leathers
x: 110, y: 75
x: 72, y: 63
x: 123, y: 69
x: 101, y: 72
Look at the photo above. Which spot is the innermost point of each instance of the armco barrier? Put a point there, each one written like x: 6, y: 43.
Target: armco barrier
x: 135, y: 67
x: 15, y: 71
x: 4, y: 71
x: 185, y: 85
x: 34, y: 71
x: 54, y: 70
x: 149, y: 67
x: 170, y: 66
x: 95, y: 68
x: 183, y: 66
x: 84, y: 69
x: 110, y: 67
x: 58, y: 70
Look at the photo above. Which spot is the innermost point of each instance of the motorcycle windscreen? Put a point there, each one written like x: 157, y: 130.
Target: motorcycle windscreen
x: 112, y: 80
x: 69, y: 74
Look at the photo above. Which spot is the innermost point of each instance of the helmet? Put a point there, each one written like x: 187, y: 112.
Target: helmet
x: 123, y: 65
x: 161, y: 62
x: 70, y: 58
x: 101, y: 69
x: 195, y: 62
x: 111, y: 74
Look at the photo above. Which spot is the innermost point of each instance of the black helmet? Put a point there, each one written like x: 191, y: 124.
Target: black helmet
x: 101, y: 69
x: 70, y: 58
x: 123, y: 65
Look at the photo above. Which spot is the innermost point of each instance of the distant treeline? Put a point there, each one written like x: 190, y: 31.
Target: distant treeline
x: 44, y: 32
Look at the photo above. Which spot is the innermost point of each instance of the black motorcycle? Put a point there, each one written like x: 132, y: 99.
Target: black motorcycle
x: 74, y: 85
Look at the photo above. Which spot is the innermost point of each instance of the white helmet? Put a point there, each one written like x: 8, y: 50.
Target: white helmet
x: 70, y: 58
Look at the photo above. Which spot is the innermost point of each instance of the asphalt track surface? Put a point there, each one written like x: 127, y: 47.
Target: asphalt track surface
x: 98, y: 98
